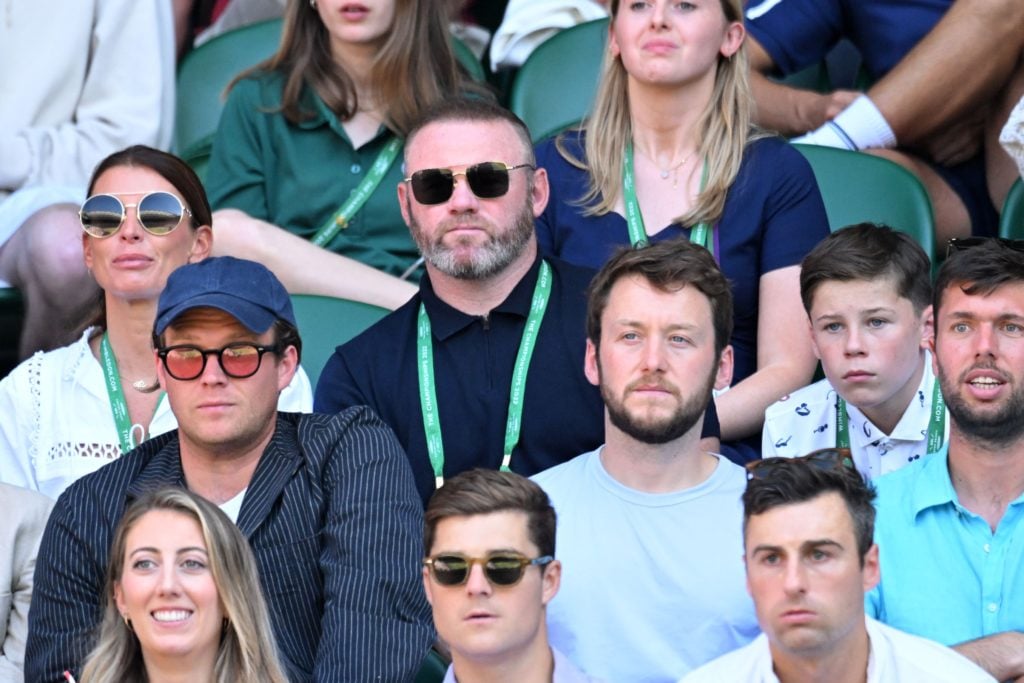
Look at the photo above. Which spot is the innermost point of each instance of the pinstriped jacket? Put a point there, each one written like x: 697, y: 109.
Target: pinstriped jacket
x: 333, y: 518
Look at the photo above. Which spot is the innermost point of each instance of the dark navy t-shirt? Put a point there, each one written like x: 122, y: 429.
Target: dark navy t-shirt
x: 773, y: 216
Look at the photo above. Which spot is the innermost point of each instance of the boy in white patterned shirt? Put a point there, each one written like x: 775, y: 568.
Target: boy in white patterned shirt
x: 867, y: 293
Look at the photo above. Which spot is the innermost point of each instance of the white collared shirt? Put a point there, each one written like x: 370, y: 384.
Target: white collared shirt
x: 894, y: 657
x: 805, y: 421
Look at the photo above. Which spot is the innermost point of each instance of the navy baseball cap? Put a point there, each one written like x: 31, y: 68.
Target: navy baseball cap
x: 244, y: 289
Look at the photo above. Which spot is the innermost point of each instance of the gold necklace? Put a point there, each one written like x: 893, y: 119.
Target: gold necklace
x: 673, y: 170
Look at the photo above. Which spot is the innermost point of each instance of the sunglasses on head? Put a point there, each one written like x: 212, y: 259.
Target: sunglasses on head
x: 159, y: 213
x: 962, y: 243
x: 824, y: 459
x: 487, y: 180
x: 238, y: 360
x: 501, y: 568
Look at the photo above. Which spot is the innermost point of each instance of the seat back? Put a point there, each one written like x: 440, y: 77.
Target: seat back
x: 859, y: 188
x: 556, y: 84
x: 555, y: 88
x: 205, y: 72
x: 202, y: 76
x: 325, y: 323
x: 1011, y: 220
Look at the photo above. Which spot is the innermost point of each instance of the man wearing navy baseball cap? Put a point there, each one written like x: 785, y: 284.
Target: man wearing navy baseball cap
x: 327, y: 502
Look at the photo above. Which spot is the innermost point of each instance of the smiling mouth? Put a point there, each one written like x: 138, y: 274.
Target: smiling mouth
x: 170, y: 615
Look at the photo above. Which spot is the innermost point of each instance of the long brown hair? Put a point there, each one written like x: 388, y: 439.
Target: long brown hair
x: 724, y: 128
x: 414, y: 69
x: 246, y: 654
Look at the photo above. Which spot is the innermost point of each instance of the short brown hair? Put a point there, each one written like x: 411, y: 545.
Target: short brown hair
x: 868, y: 251
x: 794, y: 480
x: 474, y: 109
x: 480, y: 492
x: 668, y: 266
x: 980, y: 270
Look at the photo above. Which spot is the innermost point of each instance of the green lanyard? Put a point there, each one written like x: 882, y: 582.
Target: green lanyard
x: 428, y: 392
x: 700, y: 234
x: 936, y: 425
x: 118, y: 406
x: 356, y: 199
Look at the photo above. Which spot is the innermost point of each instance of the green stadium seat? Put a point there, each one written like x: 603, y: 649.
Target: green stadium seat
x: 555, y: 88
x: 1011, y: 220
x: 859, y: 188
x: 325, y: 323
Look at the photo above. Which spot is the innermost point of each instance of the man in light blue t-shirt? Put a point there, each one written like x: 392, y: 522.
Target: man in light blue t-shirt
x: 649, y: 524
x: 950, y: 526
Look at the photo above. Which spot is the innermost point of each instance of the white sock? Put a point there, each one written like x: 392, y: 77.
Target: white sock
x: 859, y: 126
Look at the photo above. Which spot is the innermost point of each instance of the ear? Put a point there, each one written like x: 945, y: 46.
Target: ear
x: 814, y: 340
x: 723, y: 374
x: 591, y: 365
x: 87, y: 250
x: 119, y: 598
x: 287, y: 366
x: 551, y: 581
x: 403, y: 202
x: 733, y: 39
x: 927, y: 328
x: 161, y: 374
x: 427, y: 587
x: 202, y: 244
x: 872, y: 574
x: 613, y: 43
x: 541, y: 191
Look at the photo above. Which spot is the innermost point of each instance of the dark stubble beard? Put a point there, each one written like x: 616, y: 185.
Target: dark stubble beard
x: 666, y: 429
x: 1000, y: 427
x: 490, y: 258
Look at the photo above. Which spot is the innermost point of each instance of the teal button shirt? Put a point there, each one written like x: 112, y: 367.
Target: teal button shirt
x: 297, y: 176
x: 945, y: 575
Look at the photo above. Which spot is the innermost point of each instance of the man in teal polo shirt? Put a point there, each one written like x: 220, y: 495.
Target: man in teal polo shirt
x: 950, y: 527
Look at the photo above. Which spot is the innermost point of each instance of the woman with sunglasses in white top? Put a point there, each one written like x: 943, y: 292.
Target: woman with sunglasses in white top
x: 67, y: 412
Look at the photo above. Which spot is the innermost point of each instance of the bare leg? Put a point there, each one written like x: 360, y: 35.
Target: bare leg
x: 962, y: 63
x: 302, y: 267
x: 44, y: 259
x: 951, y: 217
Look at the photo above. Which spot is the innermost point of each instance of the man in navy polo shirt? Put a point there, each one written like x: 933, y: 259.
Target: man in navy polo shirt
x: 487, y: 305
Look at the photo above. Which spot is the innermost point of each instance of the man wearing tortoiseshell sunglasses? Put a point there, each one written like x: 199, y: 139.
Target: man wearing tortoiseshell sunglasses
x: 489, y: 575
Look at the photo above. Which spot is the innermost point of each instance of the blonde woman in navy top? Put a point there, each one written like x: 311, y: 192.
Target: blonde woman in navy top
x: 677, y: 157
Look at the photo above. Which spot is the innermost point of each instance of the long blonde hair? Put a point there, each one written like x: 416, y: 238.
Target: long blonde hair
x: 725, y: 129
x: 246, y: 654
x: 414, y: 69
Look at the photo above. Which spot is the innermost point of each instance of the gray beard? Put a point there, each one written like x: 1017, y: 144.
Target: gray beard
x: 490, y: 258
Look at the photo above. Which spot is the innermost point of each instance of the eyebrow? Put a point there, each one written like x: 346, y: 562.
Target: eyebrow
x: 806, y: 545
x: 624, y: 322
x: 179, y: 551
x: 491, y: 551
x: 869, y: 311
x: 970, y: 315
